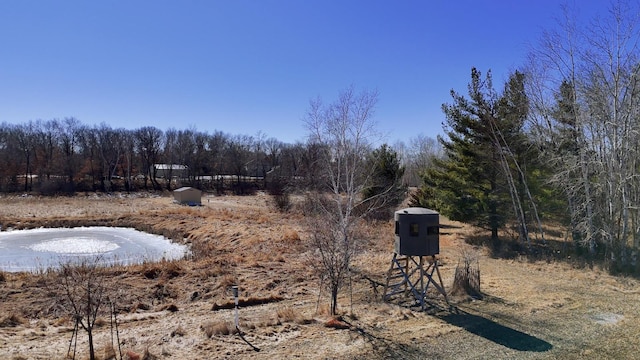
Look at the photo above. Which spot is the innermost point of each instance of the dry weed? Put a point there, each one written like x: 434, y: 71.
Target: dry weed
x: 151, y: 271
x: 288, y: 314
x: 12, y: 320
x: 106, y: 353
x: 466, y: 282
x: 323, y: 309
x: 179, y: 331
x: 147, y: 355
x: 269, y: 321
x: 226, y: 281
x: 210, y: 268
x: 165, y: 352
x: 171, y: 269
x: 100, y: 322
x: 139, y: 306
x: 204, y: 249
x: 291, y: 236
x: 212, y: 328
x: 61, y: 321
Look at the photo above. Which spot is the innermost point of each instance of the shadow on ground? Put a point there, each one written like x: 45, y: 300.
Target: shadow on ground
x: 495, y: 332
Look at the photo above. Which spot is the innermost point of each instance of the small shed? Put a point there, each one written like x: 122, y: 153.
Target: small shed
x: 187, y: 195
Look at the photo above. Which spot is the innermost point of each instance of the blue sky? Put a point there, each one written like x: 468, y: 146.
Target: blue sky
x: 247, y: 66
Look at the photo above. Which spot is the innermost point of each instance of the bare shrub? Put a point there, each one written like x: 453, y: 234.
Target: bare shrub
x: 279, y: 191
x: 335, y: 241
x: 466, y: 280
x: 288, y: 314
x: 85, y: 293
x: 212, y: 328
x: 3, y: 277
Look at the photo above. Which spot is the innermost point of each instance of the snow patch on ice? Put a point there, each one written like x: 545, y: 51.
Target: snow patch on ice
x: 31, y: 250
x: 75, y: 245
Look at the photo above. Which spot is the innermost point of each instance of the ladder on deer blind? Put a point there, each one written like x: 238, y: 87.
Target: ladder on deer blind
x: 407, y: 276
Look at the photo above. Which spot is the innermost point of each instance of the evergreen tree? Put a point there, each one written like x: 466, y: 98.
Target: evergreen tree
x: 480, y: 180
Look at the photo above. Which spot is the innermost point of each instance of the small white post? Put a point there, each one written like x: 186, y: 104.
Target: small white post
x: 235, y: 295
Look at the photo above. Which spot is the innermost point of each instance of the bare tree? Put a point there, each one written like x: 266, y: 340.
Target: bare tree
x: 25, y: 136
x: 85, y: 294
x: 586, y: 94
x: 128, y: 150
x: 238, y: 158
x: 345, y: 132
x: 68, y: 134
x: 148, y: 144
x: 170, y: 153
x: 417, y: 156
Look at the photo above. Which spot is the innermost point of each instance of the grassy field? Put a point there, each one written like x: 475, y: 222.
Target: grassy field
x: 180, y: 309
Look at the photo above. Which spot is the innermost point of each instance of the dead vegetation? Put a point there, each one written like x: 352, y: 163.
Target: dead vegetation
x: 466, y: 279
x: 165, y: 310
x: 12, y: 320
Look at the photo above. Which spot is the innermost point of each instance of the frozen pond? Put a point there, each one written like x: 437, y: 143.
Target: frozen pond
x: 38, y: 249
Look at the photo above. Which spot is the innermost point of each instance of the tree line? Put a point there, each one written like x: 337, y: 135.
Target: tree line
x: 63, y: 156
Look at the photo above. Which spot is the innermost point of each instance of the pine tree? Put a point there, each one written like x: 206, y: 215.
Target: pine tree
x: 480, y: 179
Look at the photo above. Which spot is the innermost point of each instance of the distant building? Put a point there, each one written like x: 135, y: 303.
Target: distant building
x: 170, y: 171
x: 188, y: 196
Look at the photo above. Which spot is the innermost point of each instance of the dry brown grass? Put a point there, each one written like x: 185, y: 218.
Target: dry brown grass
x: 237, y: 241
